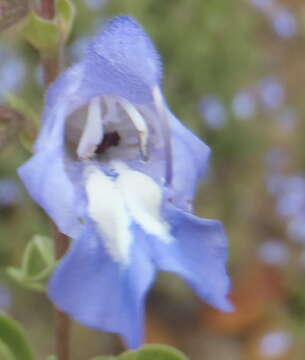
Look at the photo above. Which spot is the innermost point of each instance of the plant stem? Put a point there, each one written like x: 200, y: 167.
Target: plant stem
x: 62, y: 321
x: 51, y: 62
x: 47, y: 9
x: 51, y: 67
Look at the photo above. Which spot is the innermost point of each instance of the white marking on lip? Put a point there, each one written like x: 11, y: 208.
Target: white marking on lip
x: 143, y: 198
x: 108, y: 211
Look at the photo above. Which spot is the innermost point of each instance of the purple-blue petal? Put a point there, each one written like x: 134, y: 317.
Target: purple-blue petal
x: 46, y: 178
x: 100, y: 293
x: 190, y: 159
x: 124, y: 62
x: 198, y: 254
x: 47, y: 182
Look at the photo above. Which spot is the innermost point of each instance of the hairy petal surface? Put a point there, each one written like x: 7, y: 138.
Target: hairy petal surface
x: 124, y: 61
x: 101, y: 293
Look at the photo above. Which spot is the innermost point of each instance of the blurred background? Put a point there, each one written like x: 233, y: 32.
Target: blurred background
x: 234, y: 72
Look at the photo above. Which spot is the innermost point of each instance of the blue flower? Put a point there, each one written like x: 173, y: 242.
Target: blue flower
x: 213, y: 112
x: 117, y: 172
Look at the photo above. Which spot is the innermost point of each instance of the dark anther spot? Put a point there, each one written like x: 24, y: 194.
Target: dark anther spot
x: 110, y: 139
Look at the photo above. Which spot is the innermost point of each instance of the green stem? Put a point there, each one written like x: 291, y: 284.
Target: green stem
x: 51, y: 67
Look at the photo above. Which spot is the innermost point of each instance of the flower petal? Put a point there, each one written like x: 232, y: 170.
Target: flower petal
x: 46, y: 179
x: 190, y: 158
x: 124, y: 62
x: 100, y: 293
x: 199, y: 255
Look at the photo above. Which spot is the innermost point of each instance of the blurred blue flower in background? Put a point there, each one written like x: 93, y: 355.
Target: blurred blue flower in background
x: 96, y: 4
x: 12, y: 71
x: 262, y: 5
x: 213, y: 112
x: 10, y: 194
x: 296, y: 227
x: 282, y: 20
x: 292, y: 200
x: 244, y: 105
x: 276, y: 343
x: 5, y: 298
x: 284, y: 23
x: 117, y: 172
x: 273, y: 252
x: 271, y: 92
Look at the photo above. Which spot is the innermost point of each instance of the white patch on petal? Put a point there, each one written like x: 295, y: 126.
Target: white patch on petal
x: 106, y: 208
x: 113, y: 204
x: 93, y: 132
x: 143, y: 198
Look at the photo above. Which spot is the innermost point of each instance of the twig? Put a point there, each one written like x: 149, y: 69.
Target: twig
x: 51, y: 65
x: 62, y: 321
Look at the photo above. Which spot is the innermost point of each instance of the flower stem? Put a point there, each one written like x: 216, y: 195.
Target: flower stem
x: 51, y: 62
x: 51, y: 68
x: 47, y: 9
x: 62, y: 321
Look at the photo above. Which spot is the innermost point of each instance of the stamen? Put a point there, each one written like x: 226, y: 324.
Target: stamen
x: 93, y: 132
x: 139, y: 123
x: 163, y: 113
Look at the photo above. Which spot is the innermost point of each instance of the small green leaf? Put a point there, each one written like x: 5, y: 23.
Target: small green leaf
x: 5, y: 353
x: 19, y: 277
x: 105, y: 358
x: 38, y: 256
x: 65, y: 17
x: 41, y: 33
x: 19, y: 104
x: 37, y: 264
x: 12, y: 335
x: 153, y: 352
x: 29, y: 131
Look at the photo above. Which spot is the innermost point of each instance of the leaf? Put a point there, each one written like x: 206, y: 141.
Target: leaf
x: 11, y: 123
x: 5, y: 353
x: 41, y: 33
x: 52, y: 357
x: 153, y: 352
x: 19, y: 104
x: 11, y: 12
x: 18, y: 276
x: 46, y: 35
x: 105, y: 358
x: 28, y: 133
x: 38, y: 256
x: 65, y: 17
x: 12, y: 335
x: 37, y: 264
